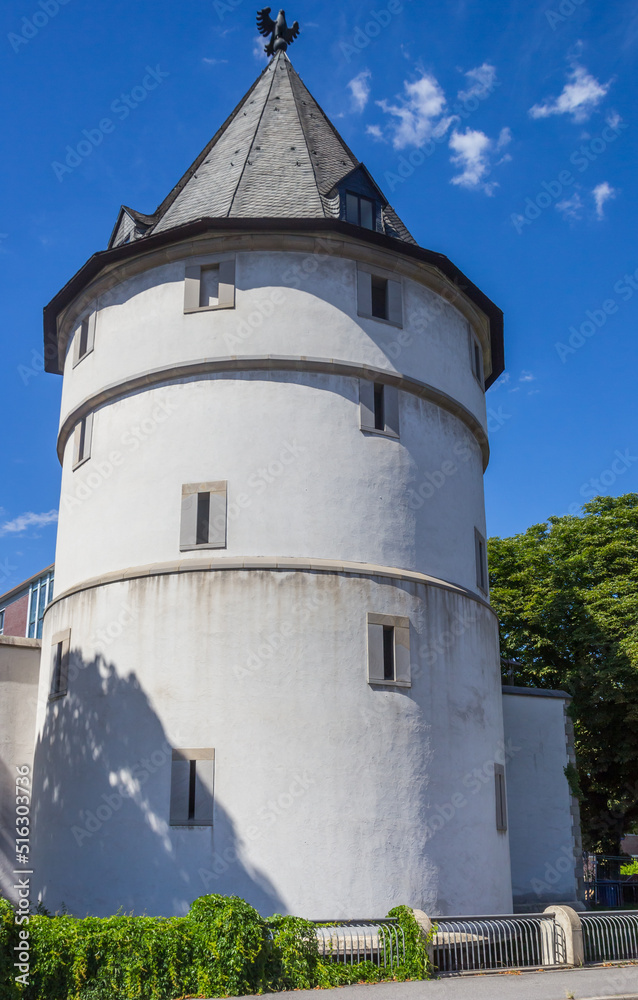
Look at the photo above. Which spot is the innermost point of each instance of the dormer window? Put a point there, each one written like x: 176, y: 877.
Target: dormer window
x: 360, y: 211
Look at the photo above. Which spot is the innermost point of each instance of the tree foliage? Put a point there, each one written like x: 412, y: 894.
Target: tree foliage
x: 566, y: 594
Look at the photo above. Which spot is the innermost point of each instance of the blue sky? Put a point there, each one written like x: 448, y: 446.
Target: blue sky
x: 504, y: 135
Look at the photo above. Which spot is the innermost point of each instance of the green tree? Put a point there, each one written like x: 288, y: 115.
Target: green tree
x: 566, y: 594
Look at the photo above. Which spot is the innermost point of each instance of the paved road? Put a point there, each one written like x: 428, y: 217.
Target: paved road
x: 619, y: 983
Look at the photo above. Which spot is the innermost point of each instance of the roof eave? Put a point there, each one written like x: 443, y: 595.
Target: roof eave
x: 103, y: 258
x: 5, y: 598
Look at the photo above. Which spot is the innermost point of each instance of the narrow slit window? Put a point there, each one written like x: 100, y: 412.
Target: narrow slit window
x: 209, y: 287
x: 379, y: 410
x: 192, y: 787
x: 192, y: 782
x: 82, y: 440
x: 389, y: 650
x: 60, y: 663
x: 57, y: 668
x: 379, y: 288
x: 388, y: 653
x: 203, y: 518
x: 476, y: 358
x: 84, y: 338
x: 481, y: 560
x: 501, y: 801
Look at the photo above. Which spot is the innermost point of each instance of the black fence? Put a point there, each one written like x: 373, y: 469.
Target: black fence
x: 606, y: 886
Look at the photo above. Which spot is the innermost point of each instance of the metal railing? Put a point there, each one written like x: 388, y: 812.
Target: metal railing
x: 609, y: 936
x: 464, y: 944
x: 350, y: 941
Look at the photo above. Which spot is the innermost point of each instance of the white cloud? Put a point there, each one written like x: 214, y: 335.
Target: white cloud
x: 360, y: 89
x: 481, y: 82
x: 472, y: 151
x: 214, y: 62
x: 579, y: 97
x: 28, y: 520
x: 418, y: 113
x: 571, y: 208
x: 504, y: 139
x: 526, y: 377
x: 602, y: 193
x: 375, y: 132
x: 258, y: 49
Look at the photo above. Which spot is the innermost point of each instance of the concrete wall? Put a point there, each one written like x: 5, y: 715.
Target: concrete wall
x: 629, y: 844
x: 331, y: 797
x: 303, y: 480
x: 19, y: 673
x: 544, y: 832
x: 279, y: 309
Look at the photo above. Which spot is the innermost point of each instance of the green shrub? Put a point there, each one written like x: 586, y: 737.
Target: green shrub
x: 8, y: 940
x: 417, y: 964
x: 631, y: 868
x: 293, y: 957
x: 223, y: 947
x: 230, y: 946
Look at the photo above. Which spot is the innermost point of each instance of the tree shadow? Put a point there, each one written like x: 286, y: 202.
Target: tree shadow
x: 101, y: 810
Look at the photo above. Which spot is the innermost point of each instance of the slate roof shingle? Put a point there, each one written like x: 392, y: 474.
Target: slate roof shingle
x: 276, y: 156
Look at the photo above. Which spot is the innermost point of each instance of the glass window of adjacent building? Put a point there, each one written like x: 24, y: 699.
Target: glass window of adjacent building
x: 40, y: 594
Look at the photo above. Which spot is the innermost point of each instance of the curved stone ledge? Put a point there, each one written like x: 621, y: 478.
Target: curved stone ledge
x: 295, y: 565
x: 271, y: 362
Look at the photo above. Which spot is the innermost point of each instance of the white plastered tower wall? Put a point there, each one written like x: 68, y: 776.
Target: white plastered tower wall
x: 332, y: 796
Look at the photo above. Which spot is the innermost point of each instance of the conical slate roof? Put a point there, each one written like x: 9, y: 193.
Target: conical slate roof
x: 276, y: 156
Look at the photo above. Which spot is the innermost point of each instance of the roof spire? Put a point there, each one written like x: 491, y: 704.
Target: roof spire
x: 281, y: 36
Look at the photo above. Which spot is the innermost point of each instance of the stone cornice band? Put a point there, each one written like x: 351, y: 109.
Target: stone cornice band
x: 272, y: 362
x: 282, y: 565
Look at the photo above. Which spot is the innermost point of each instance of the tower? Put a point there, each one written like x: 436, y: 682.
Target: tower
x: 270, y: 666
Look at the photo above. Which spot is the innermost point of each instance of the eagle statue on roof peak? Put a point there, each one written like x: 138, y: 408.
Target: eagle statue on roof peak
x: 281, y: 35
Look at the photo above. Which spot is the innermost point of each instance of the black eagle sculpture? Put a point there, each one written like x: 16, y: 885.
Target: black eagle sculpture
x: 281, y: 36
